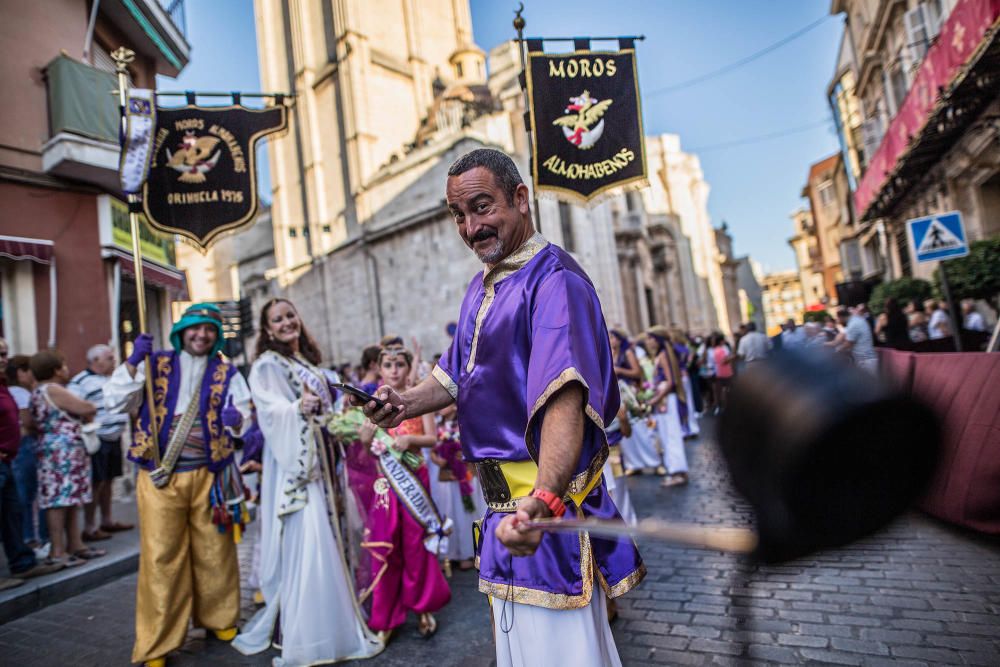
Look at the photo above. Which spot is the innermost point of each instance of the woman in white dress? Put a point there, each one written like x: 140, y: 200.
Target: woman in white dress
x: 304, y: 575
x: 459, y: 495
x: 639, y: 450
x: 667, y: 400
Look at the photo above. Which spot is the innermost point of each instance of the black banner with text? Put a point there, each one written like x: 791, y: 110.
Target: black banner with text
x: 586, y: 121
x: 202, y: 181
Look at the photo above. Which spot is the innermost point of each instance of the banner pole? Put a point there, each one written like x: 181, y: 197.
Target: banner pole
x: 122, y: 58
x: 955, y: 321
x: 519, y: 24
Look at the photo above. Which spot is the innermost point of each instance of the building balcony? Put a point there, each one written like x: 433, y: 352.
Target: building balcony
x: 151, y: 28
x: 663, y: 225
x: 956, y: 80
x: 83, y: 124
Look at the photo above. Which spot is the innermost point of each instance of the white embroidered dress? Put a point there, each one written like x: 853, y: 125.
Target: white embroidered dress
x: 303, y: 572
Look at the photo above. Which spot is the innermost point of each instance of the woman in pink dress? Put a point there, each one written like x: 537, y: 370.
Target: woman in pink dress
x: 405, y: 575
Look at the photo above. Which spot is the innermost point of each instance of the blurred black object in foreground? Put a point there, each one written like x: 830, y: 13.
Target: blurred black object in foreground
x: 824, y: 452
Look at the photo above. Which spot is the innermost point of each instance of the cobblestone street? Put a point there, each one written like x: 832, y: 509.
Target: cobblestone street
x: 921, y: 593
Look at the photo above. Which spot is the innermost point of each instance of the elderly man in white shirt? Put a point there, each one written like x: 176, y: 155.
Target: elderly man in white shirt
x: 972, y: 319
x: 940, y: 321
x: 754, y: 345
x: 106, y: 464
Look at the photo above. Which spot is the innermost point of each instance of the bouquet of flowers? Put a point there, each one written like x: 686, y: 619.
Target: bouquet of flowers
x: 644, y: 408
x: 346, y: 427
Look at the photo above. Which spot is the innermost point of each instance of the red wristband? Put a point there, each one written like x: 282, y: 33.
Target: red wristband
x: 551, y: 500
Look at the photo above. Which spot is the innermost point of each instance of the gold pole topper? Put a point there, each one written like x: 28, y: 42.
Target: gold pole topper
x: 122, y: 58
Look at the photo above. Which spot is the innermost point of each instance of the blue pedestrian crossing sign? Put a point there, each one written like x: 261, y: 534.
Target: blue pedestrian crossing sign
x: 937, y: 237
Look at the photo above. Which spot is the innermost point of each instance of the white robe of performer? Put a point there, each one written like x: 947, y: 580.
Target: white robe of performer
x: 460, y: 543
x: 448, y: 498
x: 540, y: 637
x: 668, y: 426
x: 639, y: 449
x: 618, y: 488
x: 438, y: 490
x: 692, y: 427
x: 303, y: 572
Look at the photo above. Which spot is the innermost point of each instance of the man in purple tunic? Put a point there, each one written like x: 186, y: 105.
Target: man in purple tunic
x: 530, y: 369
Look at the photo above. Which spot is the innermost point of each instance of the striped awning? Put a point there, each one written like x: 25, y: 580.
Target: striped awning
x: 171, y: 279
x: 33, y: 250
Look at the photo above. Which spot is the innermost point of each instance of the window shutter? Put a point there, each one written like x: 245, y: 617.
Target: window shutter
x: 917, y: 22
x: 104, y: 62
x: 872, y: 136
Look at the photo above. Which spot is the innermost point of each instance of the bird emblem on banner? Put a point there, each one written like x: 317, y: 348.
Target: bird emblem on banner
x: 583, y: 123
x: 194, y: 157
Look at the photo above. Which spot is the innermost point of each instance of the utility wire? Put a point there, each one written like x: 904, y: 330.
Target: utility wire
x: 758, y: 138
x: 739, y: 63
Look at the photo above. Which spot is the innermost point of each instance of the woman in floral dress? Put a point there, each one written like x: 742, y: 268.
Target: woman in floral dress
x: 63, y: 463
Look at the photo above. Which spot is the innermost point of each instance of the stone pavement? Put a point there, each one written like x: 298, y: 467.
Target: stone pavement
x: 122, y: 558
x: 921, y: 593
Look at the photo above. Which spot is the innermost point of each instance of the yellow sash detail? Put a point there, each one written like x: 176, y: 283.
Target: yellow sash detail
x: 521, y: 476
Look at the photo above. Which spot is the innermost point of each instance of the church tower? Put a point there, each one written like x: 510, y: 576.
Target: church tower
x: 363, y: 73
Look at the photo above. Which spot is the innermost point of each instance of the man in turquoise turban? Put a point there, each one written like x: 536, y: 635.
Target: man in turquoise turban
x: 189, y: 490
x: 199, y: 314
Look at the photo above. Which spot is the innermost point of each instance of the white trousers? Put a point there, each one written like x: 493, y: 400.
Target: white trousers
x: 540, y: 637
x: 460, y: 543
x: 668, y: 426
x: 618, y: 488
x: 868, y: 365
x: 639, y: 449
x: 692, y: 427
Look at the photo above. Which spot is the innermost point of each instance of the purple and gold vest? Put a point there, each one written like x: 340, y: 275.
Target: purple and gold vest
x: 211, y: 399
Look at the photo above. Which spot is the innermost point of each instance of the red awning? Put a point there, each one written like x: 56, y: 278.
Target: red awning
x: 33, y: 250
x: 170, y: 279
x: 960, y: 41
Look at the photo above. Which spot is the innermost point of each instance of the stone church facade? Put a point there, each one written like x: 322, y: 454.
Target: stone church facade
x: 363, y: 241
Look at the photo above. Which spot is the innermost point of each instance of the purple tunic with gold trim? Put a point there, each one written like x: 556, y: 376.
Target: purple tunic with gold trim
x: 527, y: 328
x: 211, y: 397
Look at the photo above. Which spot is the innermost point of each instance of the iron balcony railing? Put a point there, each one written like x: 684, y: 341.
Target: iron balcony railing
x: 175, y: 9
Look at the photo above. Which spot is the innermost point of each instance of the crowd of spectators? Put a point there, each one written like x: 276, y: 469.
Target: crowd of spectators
x: 48, y: 474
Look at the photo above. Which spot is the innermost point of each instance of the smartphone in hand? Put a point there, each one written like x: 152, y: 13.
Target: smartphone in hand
x: 361, y: 395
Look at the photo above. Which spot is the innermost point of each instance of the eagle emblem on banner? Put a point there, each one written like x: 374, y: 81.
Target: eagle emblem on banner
x: 585, y: 120
x: 202, y: 177
x: 195, y: 156
x: 583, y: 123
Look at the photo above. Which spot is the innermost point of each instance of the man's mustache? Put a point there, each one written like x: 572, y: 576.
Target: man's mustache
x: 483, y: 234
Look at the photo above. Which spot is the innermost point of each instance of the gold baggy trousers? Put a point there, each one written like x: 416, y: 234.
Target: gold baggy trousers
x: 187, y: 568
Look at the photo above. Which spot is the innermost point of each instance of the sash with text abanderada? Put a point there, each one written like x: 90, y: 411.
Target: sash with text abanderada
x: 586, y: 121
x: 202, y: 180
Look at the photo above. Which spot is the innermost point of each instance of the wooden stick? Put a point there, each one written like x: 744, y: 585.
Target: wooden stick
x: 721, y: 538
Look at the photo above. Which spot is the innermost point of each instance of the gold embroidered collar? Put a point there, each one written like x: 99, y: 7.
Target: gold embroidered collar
x: 516, y: 260
x: 505, y: 267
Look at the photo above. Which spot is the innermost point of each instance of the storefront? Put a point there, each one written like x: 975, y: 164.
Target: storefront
x: 67, y: 276
x: 164, y: 282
